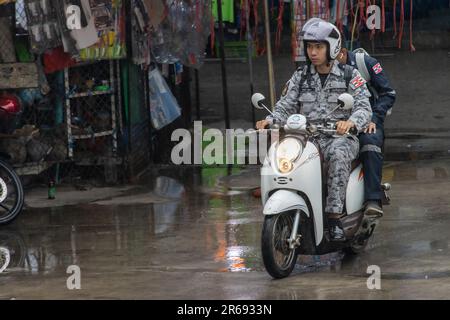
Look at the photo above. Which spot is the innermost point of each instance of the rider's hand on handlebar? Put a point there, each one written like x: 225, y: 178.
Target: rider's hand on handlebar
x: 262, y: 124
x: 372, y: 128
x: 343, y: 127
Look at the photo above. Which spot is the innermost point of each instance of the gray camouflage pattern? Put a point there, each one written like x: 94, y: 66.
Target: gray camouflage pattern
x: 338, y: 153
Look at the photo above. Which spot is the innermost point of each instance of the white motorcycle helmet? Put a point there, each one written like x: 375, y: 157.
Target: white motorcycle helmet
x: 318, y: 30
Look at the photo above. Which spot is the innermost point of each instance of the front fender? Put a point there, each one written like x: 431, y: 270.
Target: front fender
x: 284, y: 200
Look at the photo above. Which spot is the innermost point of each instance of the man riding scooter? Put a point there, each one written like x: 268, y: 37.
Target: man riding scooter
x: 372, y: 140
x: 313, y: 91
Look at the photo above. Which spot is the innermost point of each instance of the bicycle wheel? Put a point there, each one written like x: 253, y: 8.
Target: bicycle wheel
x: 11, y: 194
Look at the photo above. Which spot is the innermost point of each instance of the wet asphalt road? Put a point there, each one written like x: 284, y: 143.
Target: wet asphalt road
x: 204, y: 243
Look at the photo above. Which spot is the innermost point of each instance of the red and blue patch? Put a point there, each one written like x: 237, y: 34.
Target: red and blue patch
x: 357, y: 82
x: 377, y: 68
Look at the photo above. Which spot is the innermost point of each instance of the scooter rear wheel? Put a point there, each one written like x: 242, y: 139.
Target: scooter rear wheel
x: 278, y: 258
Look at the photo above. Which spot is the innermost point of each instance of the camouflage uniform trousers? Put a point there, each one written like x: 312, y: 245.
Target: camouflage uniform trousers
x: 338, y: 152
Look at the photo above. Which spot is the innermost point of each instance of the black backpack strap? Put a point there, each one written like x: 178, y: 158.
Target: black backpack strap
x: 305, y: 71
x: 348, y: 74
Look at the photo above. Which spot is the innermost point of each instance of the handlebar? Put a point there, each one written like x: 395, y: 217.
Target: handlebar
x: 326, y: 128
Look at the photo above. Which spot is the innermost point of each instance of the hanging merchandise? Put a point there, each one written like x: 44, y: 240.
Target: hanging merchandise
x: 183, y: 35
x: 87, y: 36
x: 64, y: 16
x: 302, y: 11
x: 42, y: 23
x: 157, y: 11
x: 109, y: 19
x: 227, y: 10
x: 164, y: 107
x: 338, y: 13
x: 139, y: 32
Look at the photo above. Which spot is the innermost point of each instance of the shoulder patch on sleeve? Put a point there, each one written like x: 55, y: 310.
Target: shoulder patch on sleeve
x: 357, y: 82
x: 377, y: 68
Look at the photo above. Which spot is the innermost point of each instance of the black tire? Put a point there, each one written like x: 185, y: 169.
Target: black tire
x: 275, y: 229
x: 12, y: 198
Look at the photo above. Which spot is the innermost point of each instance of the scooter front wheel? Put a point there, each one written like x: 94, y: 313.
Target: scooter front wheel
x: 278, y: 258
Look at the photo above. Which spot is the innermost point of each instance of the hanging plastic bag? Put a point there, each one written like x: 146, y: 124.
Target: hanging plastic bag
x: 183, y: 34
x: 164, y: 108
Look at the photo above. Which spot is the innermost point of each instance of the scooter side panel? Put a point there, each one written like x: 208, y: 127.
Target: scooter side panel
x: 355, y: 191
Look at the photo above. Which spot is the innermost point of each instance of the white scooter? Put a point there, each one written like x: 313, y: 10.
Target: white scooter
x: 293, y: 193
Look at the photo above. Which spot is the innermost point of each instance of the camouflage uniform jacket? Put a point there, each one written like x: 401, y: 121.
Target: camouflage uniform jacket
x: 315, y: 101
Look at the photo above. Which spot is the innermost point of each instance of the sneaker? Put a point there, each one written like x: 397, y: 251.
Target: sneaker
x: 373, y: 208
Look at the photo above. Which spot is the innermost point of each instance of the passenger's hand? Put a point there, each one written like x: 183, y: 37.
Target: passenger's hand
x: 262, y: 124
x: 372, y: 128
x: 343, y: 127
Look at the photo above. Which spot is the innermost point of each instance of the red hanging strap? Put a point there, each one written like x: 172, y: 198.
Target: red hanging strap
x: 338, y: 14
x: 394, y: 13
x: 279, y: 27
x: 402, y: 22
x: 327, y: 5
x: 213, y: 33
x: 365, y: 14
x: 361, y: 11
x: 255, y: 17
x: 411, y: 46
x: 383, y: 17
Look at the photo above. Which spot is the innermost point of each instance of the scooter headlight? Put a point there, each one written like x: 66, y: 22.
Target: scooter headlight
x: 287, y: 152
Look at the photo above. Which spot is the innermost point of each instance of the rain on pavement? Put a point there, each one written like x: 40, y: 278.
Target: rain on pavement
x: 203, y: 242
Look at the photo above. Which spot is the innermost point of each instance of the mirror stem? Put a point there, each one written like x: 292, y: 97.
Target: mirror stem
x: 264, y: 106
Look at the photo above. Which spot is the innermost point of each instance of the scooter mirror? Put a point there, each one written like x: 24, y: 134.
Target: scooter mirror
x: 257, y: 99
x: 346, y: 101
